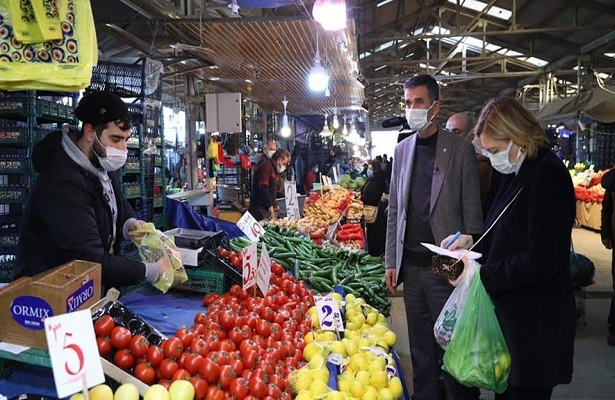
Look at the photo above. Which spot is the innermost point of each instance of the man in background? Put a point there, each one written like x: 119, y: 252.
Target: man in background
x: 461, y: 124
x: 607, y: 233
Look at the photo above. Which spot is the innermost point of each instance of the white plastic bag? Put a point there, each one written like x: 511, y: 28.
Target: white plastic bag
x: 445, y: 324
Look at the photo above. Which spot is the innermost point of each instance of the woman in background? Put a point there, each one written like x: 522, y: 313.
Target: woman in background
x: 371, y: 195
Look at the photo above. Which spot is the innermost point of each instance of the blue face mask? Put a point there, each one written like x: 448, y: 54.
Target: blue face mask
x: 370, y: 173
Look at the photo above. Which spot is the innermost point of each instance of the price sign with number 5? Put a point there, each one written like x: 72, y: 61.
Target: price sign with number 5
x: 250, y: 265
x: 73, y: 352
x: 329, y: 314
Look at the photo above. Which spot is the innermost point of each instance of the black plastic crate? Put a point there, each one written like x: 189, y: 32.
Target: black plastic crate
x: 10, y: 221
x: 7, y: 270
x: 124, y: 80
x: 231, y: 273
x: 9, y: 237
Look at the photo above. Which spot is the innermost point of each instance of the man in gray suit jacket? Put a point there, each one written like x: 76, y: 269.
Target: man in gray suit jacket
x: 434, y: 191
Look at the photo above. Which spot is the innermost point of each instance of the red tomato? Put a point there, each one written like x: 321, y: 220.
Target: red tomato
x: 145, y: 373
x: 123, y: 359
x: 200, y: 387
x: 227, y: 374
x: 250, y: 358
x: 185, y: 335
x: 181, y: 375
x: 192, y: 362
x: 235, y: 261
x: 120, y: 337
x: 227, y: 320
x: 201, y: 318
x: 222, y: 252
x: 155, y: 355
x: 263, y: 327
x: 209, y: 371
x: 258, y: 387
x: 213, y: 393
x: 104, y: 325
x: 199, y: 346
x: 167, y: 368
x: 139, y: 346
x: 104, y: 345
x: 173, y: 347
x: 239, y: 388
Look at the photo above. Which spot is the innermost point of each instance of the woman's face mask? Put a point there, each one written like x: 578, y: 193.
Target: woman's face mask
x: 370, y: 173
x: 500, y: 161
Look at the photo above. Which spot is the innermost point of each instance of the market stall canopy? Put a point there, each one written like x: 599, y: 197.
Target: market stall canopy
x: 597, y: 104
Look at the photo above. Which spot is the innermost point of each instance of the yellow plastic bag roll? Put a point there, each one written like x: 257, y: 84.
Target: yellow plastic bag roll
x: 153, y: 245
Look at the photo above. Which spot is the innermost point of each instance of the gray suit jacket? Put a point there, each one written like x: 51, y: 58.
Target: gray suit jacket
x: 455, y: 194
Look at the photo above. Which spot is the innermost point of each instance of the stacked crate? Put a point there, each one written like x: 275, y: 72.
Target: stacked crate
x: 25, y: 119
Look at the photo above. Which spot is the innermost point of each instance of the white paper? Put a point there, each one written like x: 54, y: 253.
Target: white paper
x: 290, y: 197
x: 472, y: 255
x: 12, y: 348
x: 264, y: 270
x: 73, y: 352
x: 250, y: 265
x: 250, y: 226
x: 329, y: 314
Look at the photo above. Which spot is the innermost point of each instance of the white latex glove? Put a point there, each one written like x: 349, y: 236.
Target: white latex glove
x: 462, y: 242
x: 164, y: 264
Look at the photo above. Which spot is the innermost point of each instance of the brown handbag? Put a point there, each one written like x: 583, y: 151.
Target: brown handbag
x: 370, y: 213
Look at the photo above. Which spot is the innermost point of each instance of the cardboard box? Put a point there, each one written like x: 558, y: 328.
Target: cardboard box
x: 26, y: 302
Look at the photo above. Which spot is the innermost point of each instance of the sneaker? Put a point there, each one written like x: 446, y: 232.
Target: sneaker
x: 610, y: 340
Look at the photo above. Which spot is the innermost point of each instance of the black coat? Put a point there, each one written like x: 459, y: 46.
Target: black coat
x: 526, y: 270
x: 67, y: 218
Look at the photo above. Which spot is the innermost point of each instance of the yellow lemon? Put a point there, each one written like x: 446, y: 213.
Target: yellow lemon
x: 318, y: 388
x: 302, y: 382
x: 390, y: 338
x: 377, y: 364
x: 350, y: 298
x: 379, y: 329
x: 338, y: 347
x: 370, y: 394
x: 350, y: 346
x: 327, y: 336
x: 335, y: 395
x: 363, y: 377
x: 386, y: 394
x: 336, y: 296
x: 372, y: 318
x: 309, y: 350
x: 382, y: 319
x: 321, y: 374
x: 357, y: 389
x: 344, y: 383
x: 396, y: 387
x: 101, y: 392
x: 304, y: 395
x: 504, y: 361
x: 317, y: 361
x: 315, y: 321
x: 309, y: 337
x: 379, y: 379
x: 156, y: 392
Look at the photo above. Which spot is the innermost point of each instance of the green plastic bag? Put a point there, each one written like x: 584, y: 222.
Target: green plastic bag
x: 152, y: 245
x: 477, y: 355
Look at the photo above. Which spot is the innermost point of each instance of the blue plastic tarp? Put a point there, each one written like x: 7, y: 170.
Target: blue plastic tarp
x: 181, y: 215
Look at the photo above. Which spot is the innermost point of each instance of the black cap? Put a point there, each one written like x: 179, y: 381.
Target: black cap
x: 100, y: 107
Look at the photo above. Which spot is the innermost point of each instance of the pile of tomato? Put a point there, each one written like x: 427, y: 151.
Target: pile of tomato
x: 242, y: 347
x: 235, y: 259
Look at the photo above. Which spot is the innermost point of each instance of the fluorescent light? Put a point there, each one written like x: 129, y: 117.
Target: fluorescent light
x: 383, y: 3
x: 331, y: 14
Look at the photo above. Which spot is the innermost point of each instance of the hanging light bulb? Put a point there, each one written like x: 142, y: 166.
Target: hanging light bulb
x: 318, y: 80
x: 336, y: 122
x: 234, y: 7
x: 345, y: 129
x: 325, y: 129
x: 331, y: 14
x: 285, y: 130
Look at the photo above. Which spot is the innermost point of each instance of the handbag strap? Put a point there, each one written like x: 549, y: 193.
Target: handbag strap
x: 492, y: 225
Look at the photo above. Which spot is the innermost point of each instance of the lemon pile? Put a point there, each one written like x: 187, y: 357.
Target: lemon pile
x: 367, y: 368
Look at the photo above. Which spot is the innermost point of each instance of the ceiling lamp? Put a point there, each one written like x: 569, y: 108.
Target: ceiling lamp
x: 234, y: 7
x: 325, y: 129
x: 331, y: 14
x: 318, y: 80
x: 345, y: 129
x: 285, y: 130
x: 336, y: 122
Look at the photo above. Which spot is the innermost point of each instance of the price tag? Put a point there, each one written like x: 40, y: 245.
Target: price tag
x: 335, y: 174
x: 250, y: 265
x: 292, y: 204
x: 329, y: 314
x: 73, y: 352
x: 250, y: 226
x: 264, y: 270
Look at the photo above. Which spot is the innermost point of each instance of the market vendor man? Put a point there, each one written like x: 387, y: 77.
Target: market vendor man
x: 265, y: 184
x: 76, y: 208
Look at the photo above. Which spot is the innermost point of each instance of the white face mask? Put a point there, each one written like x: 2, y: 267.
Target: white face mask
x: 417, y: 118
x: 501, y: 163
x: 281, y: 169
x: 115, y: 159
x: 270, y: 153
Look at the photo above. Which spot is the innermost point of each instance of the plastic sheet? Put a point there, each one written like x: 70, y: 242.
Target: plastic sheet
x: 181, y: 215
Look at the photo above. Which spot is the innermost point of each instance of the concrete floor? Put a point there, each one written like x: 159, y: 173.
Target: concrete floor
x: 594, y: 363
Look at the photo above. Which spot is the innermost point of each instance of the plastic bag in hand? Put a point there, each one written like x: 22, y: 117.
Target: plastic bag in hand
x: 477, y: 355
x: 445, y: 324
x: 153, y: 245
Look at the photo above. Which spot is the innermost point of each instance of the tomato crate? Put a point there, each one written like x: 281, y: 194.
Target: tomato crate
x: 233, y: 274
x: 203, y: 280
